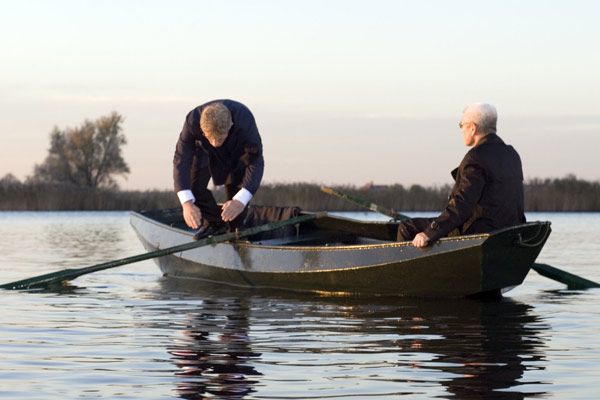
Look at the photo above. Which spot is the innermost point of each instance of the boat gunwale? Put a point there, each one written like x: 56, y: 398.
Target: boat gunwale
x: 391, y: 244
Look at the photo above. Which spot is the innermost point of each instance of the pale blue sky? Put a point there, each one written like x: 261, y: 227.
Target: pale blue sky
x: 343, y: 91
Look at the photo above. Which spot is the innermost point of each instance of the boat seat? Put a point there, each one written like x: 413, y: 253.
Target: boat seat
x: 312, y: 239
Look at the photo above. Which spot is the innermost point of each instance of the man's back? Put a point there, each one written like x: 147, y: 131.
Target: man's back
x: 501, y: 202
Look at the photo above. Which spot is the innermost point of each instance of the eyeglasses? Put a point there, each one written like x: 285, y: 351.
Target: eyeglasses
x: 461, y: 124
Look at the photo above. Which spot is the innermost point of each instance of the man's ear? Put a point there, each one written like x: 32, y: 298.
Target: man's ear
x: 475, y: 131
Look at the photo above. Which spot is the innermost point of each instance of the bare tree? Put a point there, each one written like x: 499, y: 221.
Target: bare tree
x: 9, y: 180
x: 88, y: 155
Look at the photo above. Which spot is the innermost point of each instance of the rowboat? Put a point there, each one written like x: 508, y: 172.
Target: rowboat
x: 343, y: 256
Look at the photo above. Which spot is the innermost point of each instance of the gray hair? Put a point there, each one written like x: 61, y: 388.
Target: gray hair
x: 484, y: 115
x: 215, y: 120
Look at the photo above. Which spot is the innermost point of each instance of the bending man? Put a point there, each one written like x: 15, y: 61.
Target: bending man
x: 219, y: 140
x: 488, y: 190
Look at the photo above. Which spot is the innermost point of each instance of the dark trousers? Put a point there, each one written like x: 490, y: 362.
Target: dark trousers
x: 211, y: 212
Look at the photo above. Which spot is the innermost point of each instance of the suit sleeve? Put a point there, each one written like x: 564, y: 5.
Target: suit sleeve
x: 462, y: 202
x: 184, y: 157
x: 252, y: 156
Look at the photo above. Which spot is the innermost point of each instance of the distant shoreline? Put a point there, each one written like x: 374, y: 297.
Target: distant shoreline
x: 559, y: 194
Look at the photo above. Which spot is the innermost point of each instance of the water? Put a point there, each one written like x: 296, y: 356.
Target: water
x: 128, y: 333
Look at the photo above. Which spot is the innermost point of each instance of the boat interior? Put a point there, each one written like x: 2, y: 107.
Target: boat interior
x: 325, y: 231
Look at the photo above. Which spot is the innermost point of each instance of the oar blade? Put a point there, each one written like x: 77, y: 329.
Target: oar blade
x: 571, y: 280
x: 41, y: 281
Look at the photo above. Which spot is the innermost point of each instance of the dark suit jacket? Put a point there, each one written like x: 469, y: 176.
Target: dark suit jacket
x: 487, y: 194
x: 238, y: 160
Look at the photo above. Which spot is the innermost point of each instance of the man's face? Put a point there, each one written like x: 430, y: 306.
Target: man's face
x: 216, y: 140
x: 468, y: 128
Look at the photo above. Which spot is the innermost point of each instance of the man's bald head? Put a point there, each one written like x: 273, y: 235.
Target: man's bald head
x: 484, y: 115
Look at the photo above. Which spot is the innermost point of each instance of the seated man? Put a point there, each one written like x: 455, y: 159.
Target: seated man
x: 488, y: 189
x: 219, y: 140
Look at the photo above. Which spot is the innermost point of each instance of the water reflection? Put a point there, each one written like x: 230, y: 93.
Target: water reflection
x: 487, y: 347
x: 213, y: 353
x: 463, y: 349
x: 77, y: 241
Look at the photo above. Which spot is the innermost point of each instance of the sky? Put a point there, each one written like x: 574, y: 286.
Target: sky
x: 343, y: 92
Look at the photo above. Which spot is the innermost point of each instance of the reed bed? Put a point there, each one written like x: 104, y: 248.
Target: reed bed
x: 559, y: 194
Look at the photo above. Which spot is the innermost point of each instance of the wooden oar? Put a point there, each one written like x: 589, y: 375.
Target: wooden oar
x: 366, y: 204
x: 69, y: 274
x: 571, y: 280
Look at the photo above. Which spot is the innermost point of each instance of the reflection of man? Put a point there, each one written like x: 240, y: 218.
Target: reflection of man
x: 488, y: 189
x: 485, y: 348
x: 219, y: 140
x: 215, y: 355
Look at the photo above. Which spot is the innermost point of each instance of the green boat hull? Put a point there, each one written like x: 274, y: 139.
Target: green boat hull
x: 336, y: 255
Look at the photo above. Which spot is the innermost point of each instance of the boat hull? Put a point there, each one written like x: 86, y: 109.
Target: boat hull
x: 453, y: 267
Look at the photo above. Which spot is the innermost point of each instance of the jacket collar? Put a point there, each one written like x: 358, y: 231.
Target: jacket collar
x: 490, y: 138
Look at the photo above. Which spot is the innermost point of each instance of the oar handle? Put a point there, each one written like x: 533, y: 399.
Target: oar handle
x: 396, y: 216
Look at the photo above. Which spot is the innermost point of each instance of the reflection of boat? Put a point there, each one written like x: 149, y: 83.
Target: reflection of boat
x: 336, y: 254
x: 380, y: 346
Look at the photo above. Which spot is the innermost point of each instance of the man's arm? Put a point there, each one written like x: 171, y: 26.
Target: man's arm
x: 182, y: 165
x: 461, y: 204
x: 255, y: 166
x: 183, y: 158
x: 250, y: 183
x: 252, y: 158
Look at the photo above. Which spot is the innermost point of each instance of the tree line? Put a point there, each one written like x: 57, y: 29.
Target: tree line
x: 558, y: 194
x: 82, y: 162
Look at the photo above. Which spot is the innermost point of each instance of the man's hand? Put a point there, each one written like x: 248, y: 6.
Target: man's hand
x: 231, y: 210
x: 421, y: 240
x: 192, y: 215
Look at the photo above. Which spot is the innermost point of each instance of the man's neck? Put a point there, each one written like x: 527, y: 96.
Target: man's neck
x: 480, y: 138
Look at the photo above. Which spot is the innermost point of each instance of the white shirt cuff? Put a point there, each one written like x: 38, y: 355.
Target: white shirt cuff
x: 185, y: 195
x: 243, y: 196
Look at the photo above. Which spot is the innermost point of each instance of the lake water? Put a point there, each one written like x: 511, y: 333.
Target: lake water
x: 128, y: 333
